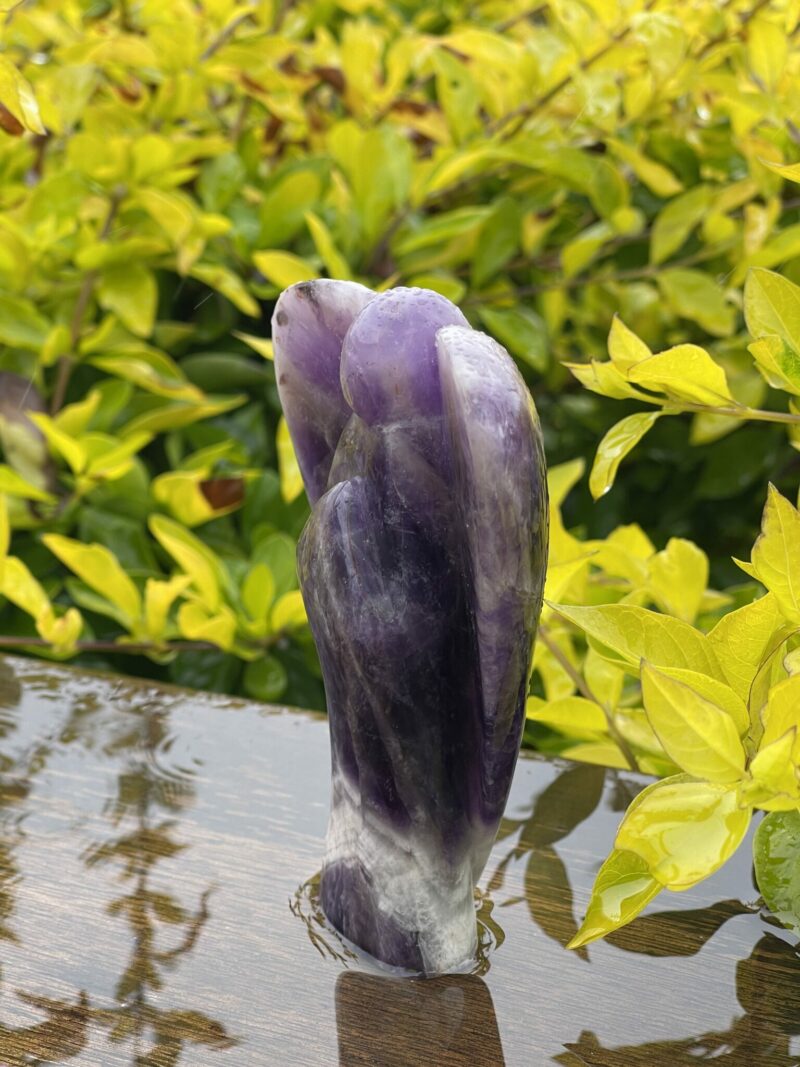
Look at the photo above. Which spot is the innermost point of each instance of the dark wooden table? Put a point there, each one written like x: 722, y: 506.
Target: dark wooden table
x: 157, y: 907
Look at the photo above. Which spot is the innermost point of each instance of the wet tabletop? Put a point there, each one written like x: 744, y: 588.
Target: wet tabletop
x: 157, y: 907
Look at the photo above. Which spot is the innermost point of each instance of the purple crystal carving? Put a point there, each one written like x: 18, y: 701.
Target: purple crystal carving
x: 422, y: 567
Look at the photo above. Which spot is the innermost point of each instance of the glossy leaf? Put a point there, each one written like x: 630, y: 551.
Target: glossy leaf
x: 776, y: 554
x: 776, y: 852
x: 284, y: 268
x: 195, y: 559
x: 684, y: 830
x: 624, y: 886
x: 686, y: 372
x: 632, y: 633
x: 677, y: 578
x: 772, y: 306
x: 615, y: 446
x: 700, y: 737
x: 100, y: 570
x: 575, y: 716
x: 741, y: 639
x: 624, y: 347
x: 291, y: 478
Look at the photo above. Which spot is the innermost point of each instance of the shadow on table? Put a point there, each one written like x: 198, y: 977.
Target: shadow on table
x: 400, y: 1022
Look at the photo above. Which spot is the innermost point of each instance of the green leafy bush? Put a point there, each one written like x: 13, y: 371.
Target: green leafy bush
x: 706, y: 696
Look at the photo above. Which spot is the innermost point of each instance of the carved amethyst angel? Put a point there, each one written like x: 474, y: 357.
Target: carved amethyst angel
x: 422, y: 568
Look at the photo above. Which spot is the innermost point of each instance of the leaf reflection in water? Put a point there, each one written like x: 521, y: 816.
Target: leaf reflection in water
x: 555, y: 812
x: 768, y: 989
x: 136, y: 736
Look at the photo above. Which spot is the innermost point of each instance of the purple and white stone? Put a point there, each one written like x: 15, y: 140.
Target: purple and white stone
x: 422, y: 568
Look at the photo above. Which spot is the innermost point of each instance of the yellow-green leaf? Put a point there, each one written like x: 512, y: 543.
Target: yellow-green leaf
x: 199, y: 624
x: 14, y: 484
x: 562, y: 478
x: 698, y: 297
x: 174, y: 212
x: 677, y: 578
x: 789, y: 171
x: 606, y: 379
x: 600, y: 753
x: 131, y: 293
x: 714, y: 691
x: 159, y: 596
x: 615, y: 446
x: 683, y: 829
x: 701, y: 738
x: 61, y: 443
x: 624, y: 347
x: 262, y: 345
x: 767, y: 49
x: 782, y: 711
x: 742, y: 638
x: 654, y: 175
x: 776, y: 553
x: 194, y: 558
x: 180, y: 494
x: 229, y: 284
x: 772, y: 306
x: 633, y: 634
x: 623, y: 887
x: 575, y: 716
x: 685, y: 372
x: 17, y: 96
x: 289, y: 613
x: 100, y: 570
x: 5, y: 535
x: 676, y: 221
x: 22, y: 589
x: 284, y: 268
x: 291, y: 478
x: 62, y: 631
x: 778, y: 364
x: 335, y: 263
x: 775, y: 774
x: 258, y: 592
x: 74, y: 419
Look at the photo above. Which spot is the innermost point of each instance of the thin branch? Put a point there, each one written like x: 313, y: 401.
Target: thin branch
x: 133, y: 649
x: 225, y: 35
x: 137, y: 648
x: 524, y: 16
x: 744, y: 414
x: 725, y: 36
x: 525, y: 111
x: 581, y: 685
x: 67, y: 362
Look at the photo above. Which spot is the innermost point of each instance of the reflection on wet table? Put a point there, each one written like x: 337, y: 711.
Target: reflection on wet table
x: 157, y: 907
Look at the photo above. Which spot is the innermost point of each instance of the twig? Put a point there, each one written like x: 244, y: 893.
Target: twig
x: 520, y: 114
x: 582, y: 686
x: 510, y: 23
x: 66, y: 362
x: 142, y: 648
x: 136, y: 648
x: 225, y: 35
x: 723, y: 37
x: 744, y: 413
x: 9, y: 12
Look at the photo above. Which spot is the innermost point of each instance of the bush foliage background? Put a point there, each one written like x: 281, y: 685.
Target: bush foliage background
x: 167, y: 169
